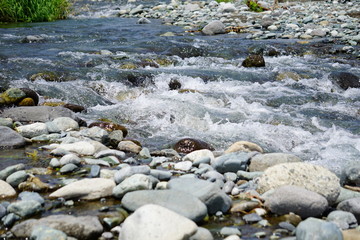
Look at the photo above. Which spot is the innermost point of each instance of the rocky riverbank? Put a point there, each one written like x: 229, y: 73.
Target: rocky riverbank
x: 331, y: 22
x: 175, y: 193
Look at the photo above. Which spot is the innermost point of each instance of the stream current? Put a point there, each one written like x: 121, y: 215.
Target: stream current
x: 108, y: 64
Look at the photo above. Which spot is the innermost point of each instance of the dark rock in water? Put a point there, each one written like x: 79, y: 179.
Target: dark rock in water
x: 10, y: 219
x: 188, y: 145
x: 25, y: 208
x: 174, y: 84
x: 109, y: 126
x: 139, y: 80
x: 31, y: 94
x: 82, y: 228
x: 345, y: 80
x: 11, y: 96
x: 32, y: 39
x: 26, y: 102
x: 36, y: 113
x: 254, y: 61
x: 74, y: 107
x: 10, y: 139
x: 47, y: 76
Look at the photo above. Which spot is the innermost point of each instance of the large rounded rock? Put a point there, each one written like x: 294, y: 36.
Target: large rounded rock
x: 188, y: 145
x: 351, y: 205
x: 296, y: 199
x: 153, y: 222
x: 312, y: 177
x: 87, y: 189
x: 209, y: 193
x: 37, y: 113
x: 10, y: 170
x: 214, y: 27
x: 261, y: 162
x: 66, y: 123
x: 317, y: 229
x: 82, y: 228
x: 133, y: 183
x: 82, y: 148
x: 182, y: 203
x: 10, y: 139
x: 16, y: 178
x: 345, y: 80
x: 6, y: 190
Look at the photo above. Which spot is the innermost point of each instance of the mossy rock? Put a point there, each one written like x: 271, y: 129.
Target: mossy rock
x: 47, y: 76
x: 129, y: 66
x: 254, y: 61
x: 31, y: 94
x: 53, y: 104
x: 12, y: 96
x: 164, y: 62
x: 285, y: 75
x: 27, y: 102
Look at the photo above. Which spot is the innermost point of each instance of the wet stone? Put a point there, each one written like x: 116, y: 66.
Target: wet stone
x: 68, y: 168
x: 252, y: 218
x: 226, y: 231
x: 95, y: 171
x: 25, y: 208
x: 31, y: 196
x: 16, y: 178
x: 45, y: 232
x: 10, y: 219
x: 10, y: 170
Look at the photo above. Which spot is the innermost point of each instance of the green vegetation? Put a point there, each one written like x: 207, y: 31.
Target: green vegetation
x: 254, y: 6
x: 33, y: 10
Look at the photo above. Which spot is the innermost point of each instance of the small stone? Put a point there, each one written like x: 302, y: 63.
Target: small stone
x: 143, y: 21
x: 317, y: 229
x: 227, y: 231
x: 342, y: 219
x: 32, y: 130
x: 16, y: 178
x: 254, y: 61
x: 252, y: 218
x: 133, y: 183
x: 214, y: 27
x: 45, y: 232
x: 6, y: 190
x: 95, y: 171
x: 31, y: 196
x: 25, y: 208
x: 68, y: 168
x: 183, y: 166
x: 129, y: 146
x: 70, y: 158
x: 244, y: 146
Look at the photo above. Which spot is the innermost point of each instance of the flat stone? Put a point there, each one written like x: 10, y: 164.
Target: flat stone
x: 10, y: 139
x: 312, y: 177
x: 87, y: 148
x: 82, y: 228
x: 317, y: 229
x: 70, y: 158
x: 32, y: 130
x: 133, y: 183
x: 182, y: 203
x: 6, y: 190
x: 298, y: 200
x: 209, y: 193
x: 153, y: 222
x: 87, y: 189
x: 261, y: 162
x: 25, y: 208
x: 95, y: 133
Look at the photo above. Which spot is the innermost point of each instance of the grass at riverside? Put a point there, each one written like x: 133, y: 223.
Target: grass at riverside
x: 33, y: 10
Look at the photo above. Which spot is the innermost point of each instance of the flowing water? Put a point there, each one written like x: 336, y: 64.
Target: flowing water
x: 221, y: 102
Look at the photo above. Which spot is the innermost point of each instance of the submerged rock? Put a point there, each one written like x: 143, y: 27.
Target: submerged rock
x: 345, y: 80
x: 254, y: 61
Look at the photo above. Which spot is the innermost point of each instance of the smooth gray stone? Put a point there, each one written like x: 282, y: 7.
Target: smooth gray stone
x: 10, y: 170
x: 346, y: 194
x: 288, y: 226
x: 54, y: 163
x: 252, y: 218
x: 95, y: 133
x: 296, y: 199
x: 46, y: 137
x: 248, y: 175
x: 16, y: 178
x: 10, y: 139
x: 230, y: 176
x: 6, y: 122
x: 214, y: 27
x: 68, y: 168
x: 182, y: 203
x: 213, y: 176
x: 82, y: 228
x: 70, y: 158
x: 352, y: 174
x: 128, y: 171
x: 209, y: 193
x: 227, y: 231
x: 95, y: 171
x: 162, y: 175
x: 134, y: 183
x: 202, y: 160
x: 10, y: 219
x: 317, y: 229
x: 261, y: 162
x: 110, y: 152
x: 232, y: 162
x: 342, y: 219
x: 2, y: 211
x: 31, y: 196
x: 25, y: 208
x: 36, y: 113
x: 228, y: 186
x: 52, y: 127
x: 91, y: 161
x: 43, y: 232
x: 351, y: 205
